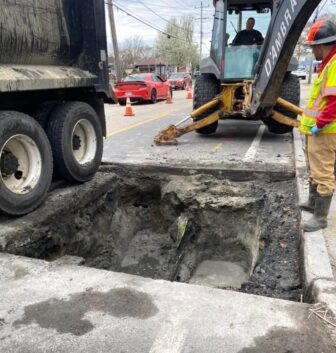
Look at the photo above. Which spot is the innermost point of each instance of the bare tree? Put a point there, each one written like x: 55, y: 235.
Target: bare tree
x: 132, y: 50
x: 134, y: 47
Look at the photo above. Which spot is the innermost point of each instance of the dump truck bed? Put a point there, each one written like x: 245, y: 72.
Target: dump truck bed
x: 62, y: 43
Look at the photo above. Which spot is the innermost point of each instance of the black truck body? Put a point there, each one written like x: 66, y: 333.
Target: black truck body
x: 54, y: 80
x: 39, y: 36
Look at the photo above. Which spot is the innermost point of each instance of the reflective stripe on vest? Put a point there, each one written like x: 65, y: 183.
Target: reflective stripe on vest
x: 331, y: 91
x: 323, y: 86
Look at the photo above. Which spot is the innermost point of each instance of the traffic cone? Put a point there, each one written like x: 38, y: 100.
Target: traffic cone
x: 169, y: 98
x: 128, y: 110
x: 189, y: 93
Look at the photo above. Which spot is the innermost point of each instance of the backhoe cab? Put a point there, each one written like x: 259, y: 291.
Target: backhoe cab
x: 246, y: 81
x: 230, y: 69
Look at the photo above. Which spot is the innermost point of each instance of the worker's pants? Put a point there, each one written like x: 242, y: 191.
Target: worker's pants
x: 321, y: 156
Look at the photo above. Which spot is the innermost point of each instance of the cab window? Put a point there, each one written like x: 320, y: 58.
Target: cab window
x: 217, y: 34
x: 240, y: 60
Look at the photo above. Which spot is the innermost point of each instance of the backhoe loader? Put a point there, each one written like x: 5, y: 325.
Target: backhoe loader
x: 252, y: 82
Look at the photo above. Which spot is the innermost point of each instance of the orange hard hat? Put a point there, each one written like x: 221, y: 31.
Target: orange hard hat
x: 321, y: 32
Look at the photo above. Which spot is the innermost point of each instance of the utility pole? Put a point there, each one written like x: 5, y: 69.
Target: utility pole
x: 201, y: 36
x: 310, y: 74
x: 201, y: 26
x: 114, y: 40
x: 312, y: 54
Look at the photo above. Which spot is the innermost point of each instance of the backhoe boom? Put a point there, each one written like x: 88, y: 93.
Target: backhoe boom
x: 289, y: 18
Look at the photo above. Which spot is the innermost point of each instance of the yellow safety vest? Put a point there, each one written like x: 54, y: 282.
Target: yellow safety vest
x: 323, y: 86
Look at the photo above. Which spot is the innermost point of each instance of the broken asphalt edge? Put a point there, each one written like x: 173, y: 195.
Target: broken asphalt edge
x: 231, y: 171
x: 318, y: 280
x: 19, y: 233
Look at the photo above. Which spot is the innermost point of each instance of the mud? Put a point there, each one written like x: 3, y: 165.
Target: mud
x: 277, y: 273
x: 311, y: 339
x: 67, y: 316
x: 195, y: 229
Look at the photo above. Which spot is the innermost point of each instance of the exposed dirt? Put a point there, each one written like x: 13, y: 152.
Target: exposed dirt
x: 164, y: 227
x: 277, y: 273
x: 311, y: 339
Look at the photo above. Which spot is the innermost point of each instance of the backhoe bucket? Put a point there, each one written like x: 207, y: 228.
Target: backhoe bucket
x: 168, y: 136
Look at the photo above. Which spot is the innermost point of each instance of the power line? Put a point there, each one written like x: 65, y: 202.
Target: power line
x: 319, y: 9
x: 163, y: 6
x: 160, y: 8
x: 322, y: 6
x: 127, y: 12
x: 182, y: 4
x: 206, y: 45
x: 147, y: 7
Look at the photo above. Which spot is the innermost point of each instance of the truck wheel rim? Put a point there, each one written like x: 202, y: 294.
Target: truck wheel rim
x: 29, y: 164
x: 84, y: 142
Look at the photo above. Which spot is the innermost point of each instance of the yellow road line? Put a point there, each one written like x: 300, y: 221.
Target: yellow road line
x: 157, y: 117
x: 217, y: 147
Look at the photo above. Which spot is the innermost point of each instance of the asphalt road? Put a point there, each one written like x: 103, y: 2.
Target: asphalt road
x: 236, y: 146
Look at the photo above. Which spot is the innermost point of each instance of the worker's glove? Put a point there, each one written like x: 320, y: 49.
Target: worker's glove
x: 315, y: 130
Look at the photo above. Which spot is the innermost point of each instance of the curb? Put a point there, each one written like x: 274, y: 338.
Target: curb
x: 317, y: 271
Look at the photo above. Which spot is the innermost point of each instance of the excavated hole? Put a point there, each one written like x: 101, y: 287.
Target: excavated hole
x: 193, y: 229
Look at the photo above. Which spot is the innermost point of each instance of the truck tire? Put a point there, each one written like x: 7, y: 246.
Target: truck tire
x: 26, y: 164
x: 153, y: 99
x: 290, y: 90
x: 206, y: 88
x: 43, y: 111
x: 76, y: 138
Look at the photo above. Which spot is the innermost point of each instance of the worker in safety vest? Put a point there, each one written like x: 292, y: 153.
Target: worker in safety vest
x: 318, y: 122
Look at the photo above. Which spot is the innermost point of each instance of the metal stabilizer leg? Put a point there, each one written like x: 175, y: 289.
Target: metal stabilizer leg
x: 283, y: 119
x: 169, y: 134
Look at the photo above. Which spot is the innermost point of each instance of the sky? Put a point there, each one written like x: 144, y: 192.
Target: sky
x: 157, y: 13
x: 127, y: 27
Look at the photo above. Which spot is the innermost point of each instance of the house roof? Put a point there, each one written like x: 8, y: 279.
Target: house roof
x: 150, y: 62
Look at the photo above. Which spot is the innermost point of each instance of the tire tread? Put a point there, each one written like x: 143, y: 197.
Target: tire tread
x: 56, y: 127
x: 20, y: 123
x: 206, y: 88
x: 290, y: 90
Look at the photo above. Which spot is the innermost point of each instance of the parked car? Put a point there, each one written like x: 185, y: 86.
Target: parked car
x: 197, y: 73
x: 142, y: 87
x: 300, y: 72
x: 180, y: 80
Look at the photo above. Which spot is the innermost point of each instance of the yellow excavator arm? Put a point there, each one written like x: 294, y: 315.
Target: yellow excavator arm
x: 169, y: 135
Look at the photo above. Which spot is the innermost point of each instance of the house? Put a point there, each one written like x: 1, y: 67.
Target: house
x: 155, y: 65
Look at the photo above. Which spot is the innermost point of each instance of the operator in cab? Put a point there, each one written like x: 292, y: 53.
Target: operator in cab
x: 248, y: 36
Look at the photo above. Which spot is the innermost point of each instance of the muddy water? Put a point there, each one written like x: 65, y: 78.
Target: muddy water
x: 193, y: 229
x: 219, y: 274
x: 172, y: 229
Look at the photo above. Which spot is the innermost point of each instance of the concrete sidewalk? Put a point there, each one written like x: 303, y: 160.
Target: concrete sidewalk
x: 63, y: 308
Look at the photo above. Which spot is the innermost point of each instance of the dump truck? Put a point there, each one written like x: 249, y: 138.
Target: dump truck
x: 249, y: 82
x: 53, y: 86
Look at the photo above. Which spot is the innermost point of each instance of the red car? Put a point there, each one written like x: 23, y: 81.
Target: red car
x: 142, y: 87
x: 180, y: 80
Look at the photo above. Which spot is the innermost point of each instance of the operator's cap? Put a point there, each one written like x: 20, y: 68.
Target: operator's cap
x: 321, y: 32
